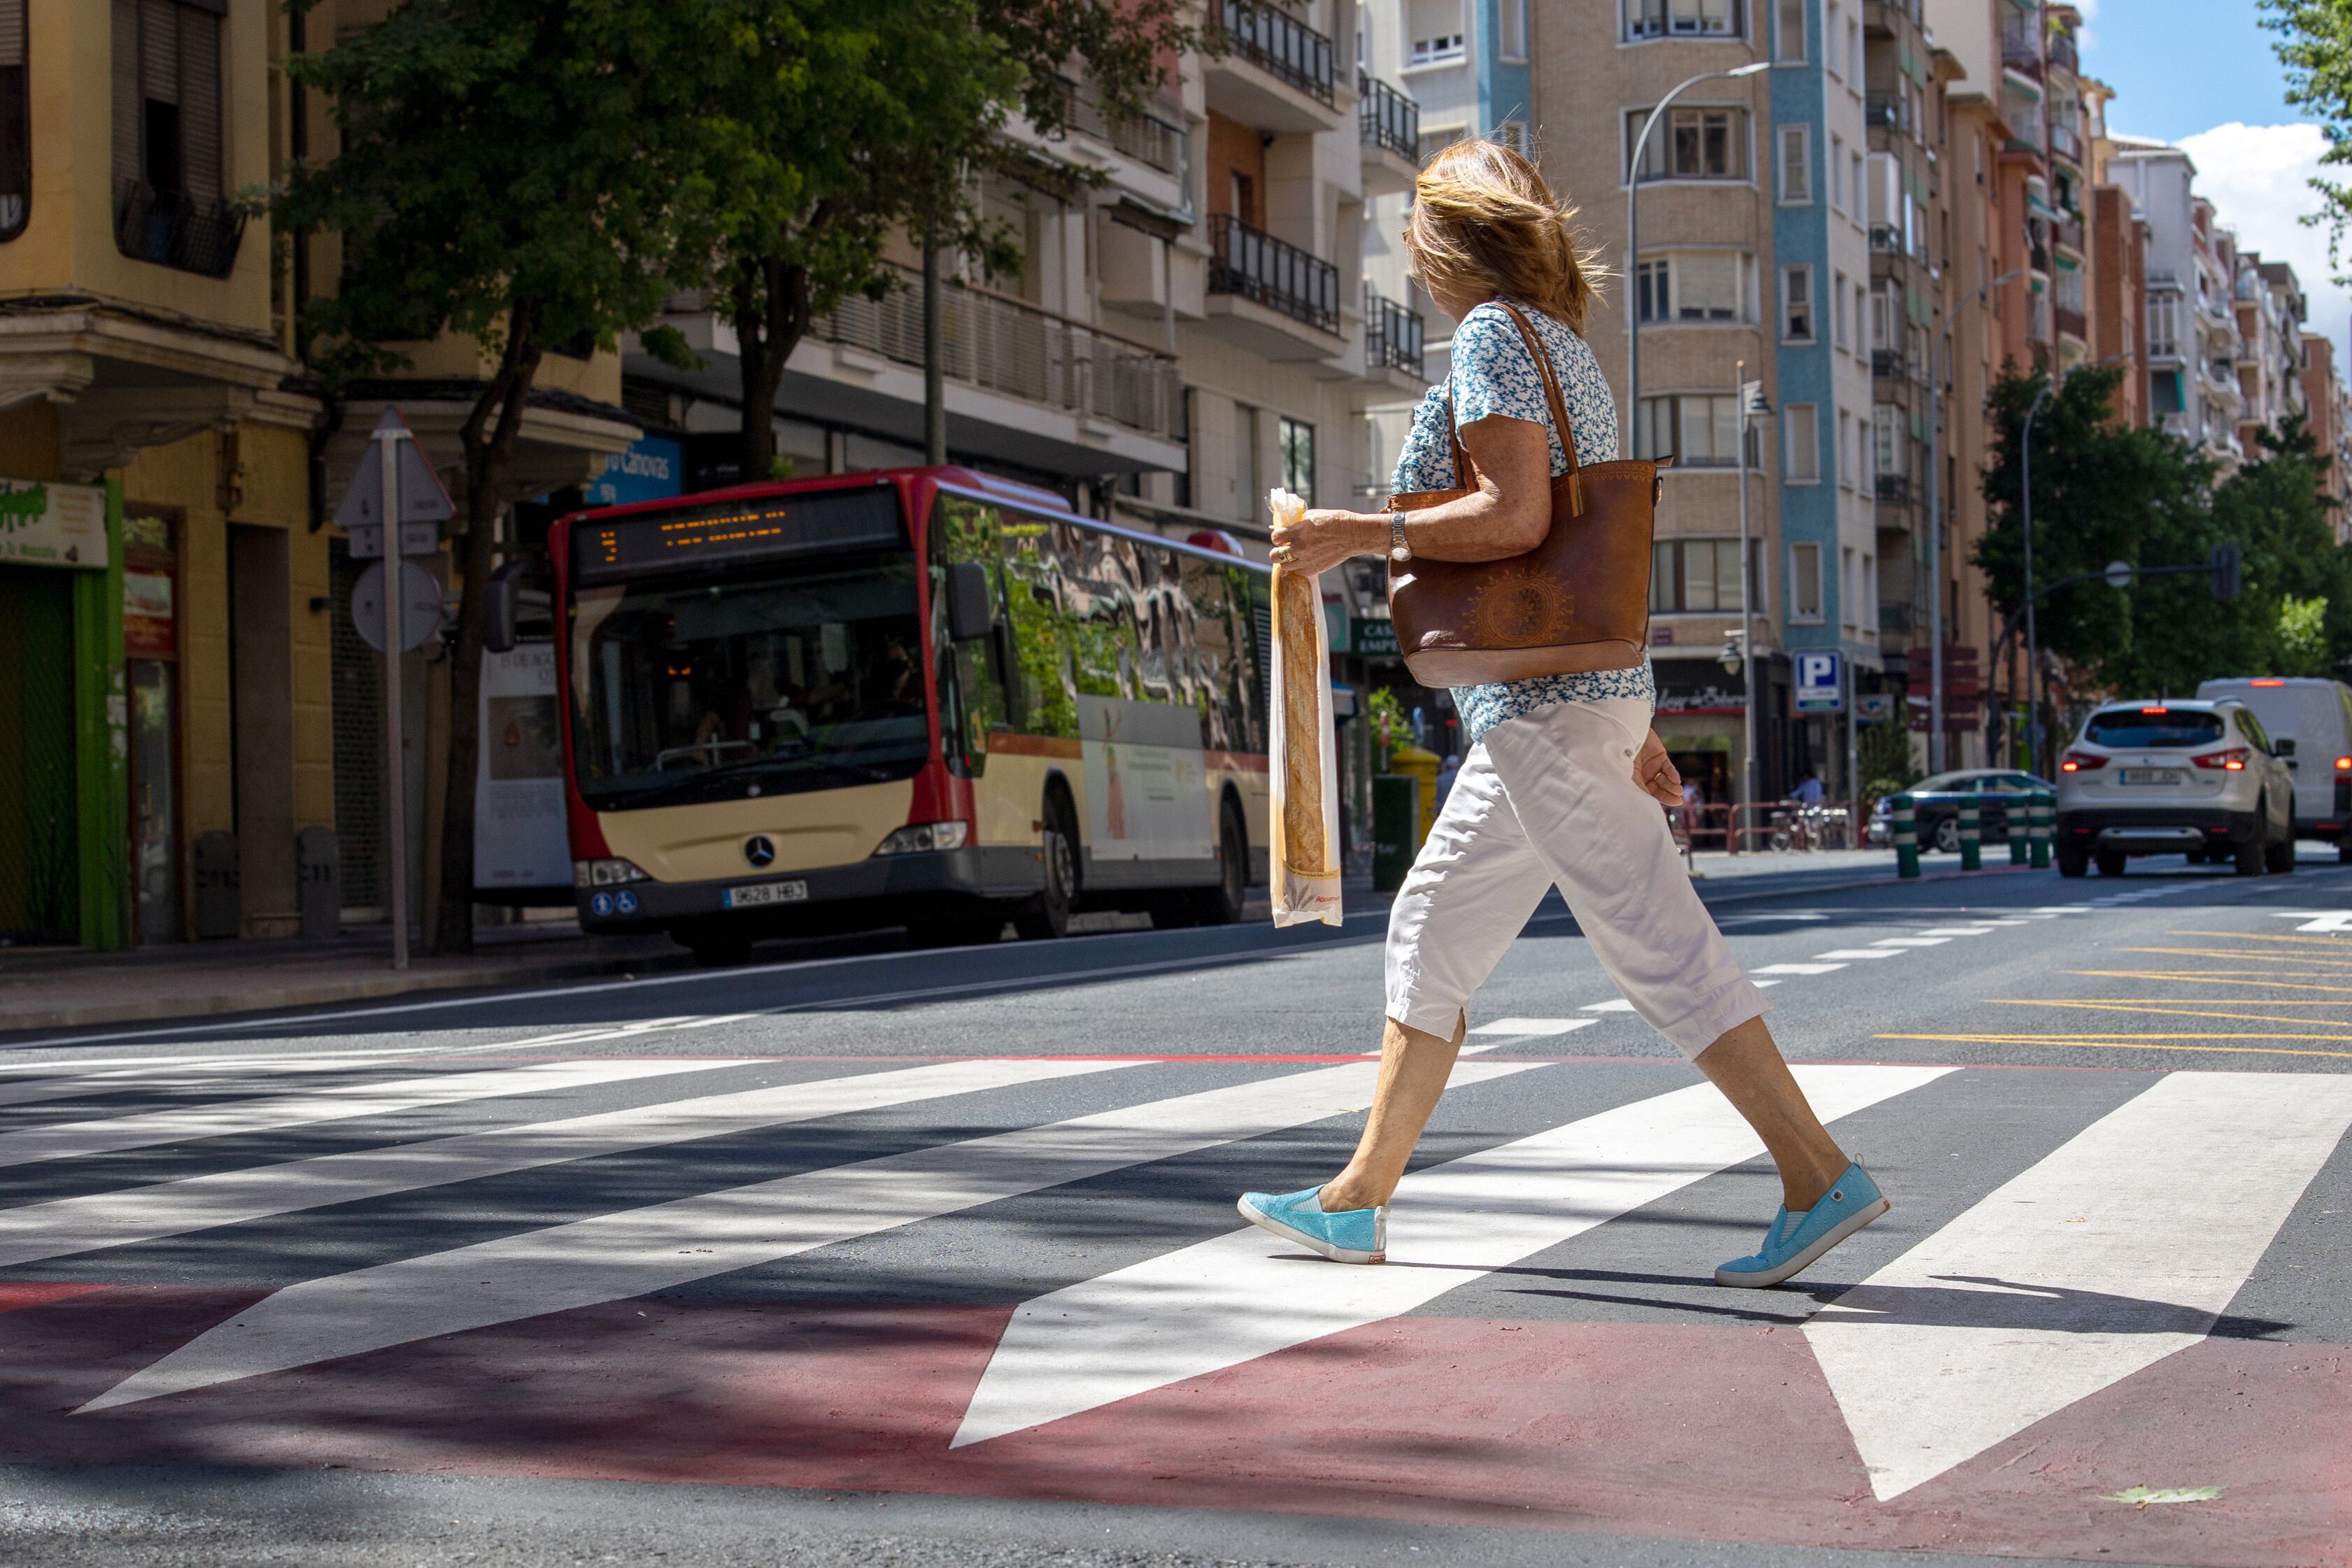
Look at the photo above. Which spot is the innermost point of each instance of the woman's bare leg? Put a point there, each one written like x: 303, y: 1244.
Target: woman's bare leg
x: 1415, y: 1067
x: 1747, y: 1066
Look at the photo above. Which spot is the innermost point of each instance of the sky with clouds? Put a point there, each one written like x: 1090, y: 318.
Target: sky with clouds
x: 2202, y: 74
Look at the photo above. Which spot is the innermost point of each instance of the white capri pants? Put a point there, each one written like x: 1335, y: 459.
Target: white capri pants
x: 1548, y: 800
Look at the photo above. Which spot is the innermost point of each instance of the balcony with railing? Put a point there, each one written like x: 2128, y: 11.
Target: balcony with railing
x: 1393, y: 336
x: 2065, y: 141
x: 1275, y: 42
x: 1886, y: 112
x: 2071, y: 324
x: 2067, y: 234
x: 1886, y: 239
x: 171, y: 229
x: 1008, y: 346
x: 1250, y: 263
x: 1895, y: 490
x: 2062, y: 52
x: 1144, y: 136
x: 2020, y: 49
x: 1887, y: 364
x: 1387, y: 119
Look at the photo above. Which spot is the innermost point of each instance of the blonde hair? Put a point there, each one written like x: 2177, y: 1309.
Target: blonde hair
x: 1484, y: 223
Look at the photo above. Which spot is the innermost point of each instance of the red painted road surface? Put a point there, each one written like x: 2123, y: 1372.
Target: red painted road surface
x: 1725, y: 1434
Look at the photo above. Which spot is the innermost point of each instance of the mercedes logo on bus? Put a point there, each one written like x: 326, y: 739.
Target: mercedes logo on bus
x: 759, y: 850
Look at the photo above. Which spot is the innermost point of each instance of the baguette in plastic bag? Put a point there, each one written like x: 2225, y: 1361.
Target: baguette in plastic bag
x: 1304, y: 865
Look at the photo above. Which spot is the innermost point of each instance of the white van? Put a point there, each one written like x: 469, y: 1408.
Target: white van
x: 2310, y: 723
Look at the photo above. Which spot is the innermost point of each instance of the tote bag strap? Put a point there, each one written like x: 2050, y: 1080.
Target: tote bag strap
x: 1465, y: 473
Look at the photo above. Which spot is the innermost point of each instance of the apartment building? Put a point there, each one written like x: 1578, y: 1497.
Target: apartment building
x: 2330, y: 409
x: 2270, y: 308
x: 153, y: 457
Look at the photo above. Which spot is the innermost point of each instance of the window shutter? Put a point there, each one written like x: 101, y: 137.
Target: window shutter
x: 12, y: 33
x: 126, y: 90
x: 158, y: 51
x: 199, y: 100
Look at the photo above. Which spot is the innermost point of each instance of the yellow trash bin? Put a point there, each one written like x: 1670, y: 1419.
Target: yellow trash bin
x: 1422, y: 765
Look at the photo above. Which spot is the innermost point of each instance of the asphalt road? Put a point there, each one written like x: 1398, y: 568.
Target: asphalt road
x: 930, y: 1257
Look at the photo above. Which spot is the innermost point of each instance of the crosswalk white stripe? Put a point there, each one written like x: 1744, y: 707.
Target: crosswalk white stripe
x: 2120, y: 1248
x: 1910, y: 942
x: 77, y: 1085
x: 1552, y: 1028
x: 85, y: 1223
x: 1245, y: 1294
x: 1796, y: 969
x: 70, y: 1139
x: 1841, y: 954
x: 631, y: 1252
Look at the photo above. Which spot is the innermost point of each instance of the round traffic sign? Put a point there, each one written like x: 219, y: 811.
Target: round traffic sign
x: 420, y: 605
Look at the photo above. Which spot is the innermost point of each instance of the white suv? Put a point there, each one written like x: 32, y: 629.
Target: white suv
x: 2174, y: 777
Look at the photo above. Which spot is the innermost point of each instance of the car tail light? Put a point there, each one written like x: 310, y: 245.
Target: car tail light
x: 2233, y: 760
x: 2343, y: 765
x: 2266, y: 682
x: 2082, y: 762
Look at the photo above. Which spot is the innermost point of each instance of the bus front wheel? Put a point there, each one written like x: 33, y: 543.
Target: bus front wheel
x: 1223, y: 905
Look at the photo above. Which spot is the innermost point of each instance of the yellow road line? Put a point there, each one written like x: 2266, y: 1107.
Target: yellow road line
x: 2225, y: 952
x: 2145, y: 1006
x: 2203, y: 977
x: 2337, y: 942
x: 2130, y: 1044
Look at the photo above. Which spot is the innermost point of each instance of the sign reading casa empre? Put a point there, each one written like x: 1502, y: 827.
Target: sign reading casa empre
x: 43, y: 524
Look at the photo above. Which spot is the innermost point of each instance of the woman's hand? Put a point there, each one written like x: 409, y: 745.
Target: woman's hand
x: 1655, y: 772
x: 1325, y: 537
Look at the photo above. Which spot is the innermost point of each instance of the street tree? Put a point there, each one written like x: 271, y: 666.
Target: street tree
x: 529, y: 176
x: 855, y: 119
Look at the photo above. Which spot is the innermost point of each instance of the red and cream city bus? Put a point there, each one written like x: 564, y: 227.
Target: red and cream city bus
x: 922, y: 697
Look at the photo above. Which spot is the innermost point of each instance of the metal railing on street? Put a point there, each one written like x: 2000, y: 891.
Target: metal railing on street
x: 173, y: 228
x: 1392, y: 335
x: 1255, y: 266
x: 1387, y: 117
x: 1010, y: 346
x: 1273, y: 41
x: 1779, y: 827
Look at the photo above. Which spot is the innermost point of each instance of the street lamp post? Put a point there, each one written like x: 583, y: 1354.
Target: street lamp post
x: 2032, y: 641
x: 1747, y: 616
x: 1936, y: 527
x: 1633, y: 239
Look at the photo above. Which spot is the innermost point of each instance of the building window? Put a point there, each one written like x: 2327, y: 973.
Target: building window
x: 1513, y: 134
x: 1801, y: 464
x: 1298, y: 457
x: 1837, y: 311
x: 1698, y: 574
x: 1682, y: 18
x: 1434, y: 27
x: 16, y: 124
x: 1691, y: 144
x: 1788, y: 39
x: 1796, y: 305
x: 1854, y: 167
x: 1513, y: 43
x: 1861, y: 324
x: 1837, y: 174
x: 1805, y: 583
x: 1849, y: 588
x: 1797, y: 164
x: 1891, y: 443
x: 1436, y: 138
x: 168, y: 174
x: 1700, y: 430
x: 1886, y: 317
x: 2164, y: 393
x: 1835, y: 36
x: 1845, y: 449
x: 1693, y: 286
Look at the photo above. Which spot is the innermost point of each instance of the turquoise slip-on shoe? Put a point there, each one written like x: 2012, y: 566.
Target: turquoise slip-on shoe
x: 1350, y: 1236
x: 1795, y: 1240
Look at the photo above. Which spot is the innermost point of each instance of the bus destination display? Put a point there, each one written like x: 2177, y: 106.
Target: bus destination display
x: 767, y: 529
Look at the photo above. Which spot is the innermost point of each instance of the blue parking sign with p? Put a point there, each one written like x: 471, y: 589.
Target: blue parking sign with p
x: 1820, y: 682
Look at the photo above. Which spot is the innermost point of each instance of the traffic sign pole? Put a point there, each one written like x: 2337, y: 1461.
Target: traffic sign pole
x: 395, y: 770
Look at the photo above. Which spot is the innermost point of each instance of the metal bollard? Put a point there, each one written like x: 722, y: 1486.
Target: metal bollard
x: 1971, y: 834
x: 1906, y: 837
x: 2045, y: 826
x: 2019, y: 814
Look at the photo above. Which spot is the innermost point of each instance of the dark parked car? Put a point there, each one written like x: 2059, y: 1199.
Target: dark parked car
x: 1937, y: 806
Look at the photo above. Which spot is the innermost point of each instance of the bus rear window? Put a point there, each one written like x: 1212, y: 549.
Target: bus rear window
x: 2144, y: 728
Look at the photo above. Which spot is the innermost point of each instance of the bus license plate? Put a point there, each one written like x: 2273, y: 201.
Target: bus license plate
x: 761, y: 893
x: 2151, y: 776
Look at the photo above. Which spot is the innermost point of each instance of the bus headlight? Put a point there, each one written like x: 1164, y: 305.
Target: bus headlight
x: 604, y: 872
x: 926, y: 836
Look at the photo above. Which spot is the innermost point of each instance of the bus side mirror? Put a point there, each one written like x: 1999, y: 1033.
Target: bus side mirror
x: 969, y: 616
x: 502, y: 608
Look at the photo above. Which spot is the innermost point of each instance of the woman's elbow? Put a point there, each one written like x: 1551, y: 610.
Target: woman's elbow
x: 1523, y: 528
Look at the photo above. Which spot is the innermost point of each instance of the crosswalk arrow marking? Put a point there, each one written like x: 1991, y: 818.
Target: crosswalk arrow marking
x: 1245, y: 1294
x: 2319, y: 919
x: 2123, y: 1246
x: 632, y: 1252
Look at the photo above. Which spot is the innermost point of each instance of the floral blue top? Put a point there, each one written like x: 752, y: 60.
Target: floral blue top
x: 1493, y: 375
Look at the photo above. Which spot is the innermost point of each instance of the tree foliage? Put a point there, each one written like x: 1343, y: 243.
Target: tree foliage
x: 525, y: 174
x: 2315, y: 44
x: 2106, y: 492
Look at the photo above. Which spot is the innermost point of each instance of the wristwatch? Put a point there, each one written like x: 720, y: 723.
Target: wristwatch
x: 1399, y: 550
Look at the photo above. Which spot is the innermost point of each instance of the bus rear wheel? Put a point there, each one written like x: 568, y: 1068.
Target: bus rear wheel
x: 1047, y: 915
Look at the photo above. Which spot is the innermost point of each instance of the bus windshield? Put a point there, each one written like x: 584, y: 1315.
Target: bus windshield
x: 780, y: 676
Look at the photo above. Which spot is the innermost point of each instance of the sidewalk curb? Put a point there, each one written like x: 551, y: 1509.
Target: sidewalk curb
x: 388, y: 983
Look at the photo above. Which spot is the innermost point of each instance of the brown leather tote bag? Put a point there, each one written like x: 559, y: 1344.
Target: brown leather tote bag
x: 1577, y: 602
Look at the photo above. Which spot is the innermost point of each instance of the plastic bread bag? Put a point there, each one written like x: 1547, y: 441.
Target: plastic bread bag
x: 1304, y: 864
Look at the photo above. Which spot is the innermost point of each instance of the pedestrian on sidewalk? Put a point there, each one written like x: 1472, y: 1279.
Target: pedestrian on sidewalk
x: 1563, y: 779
